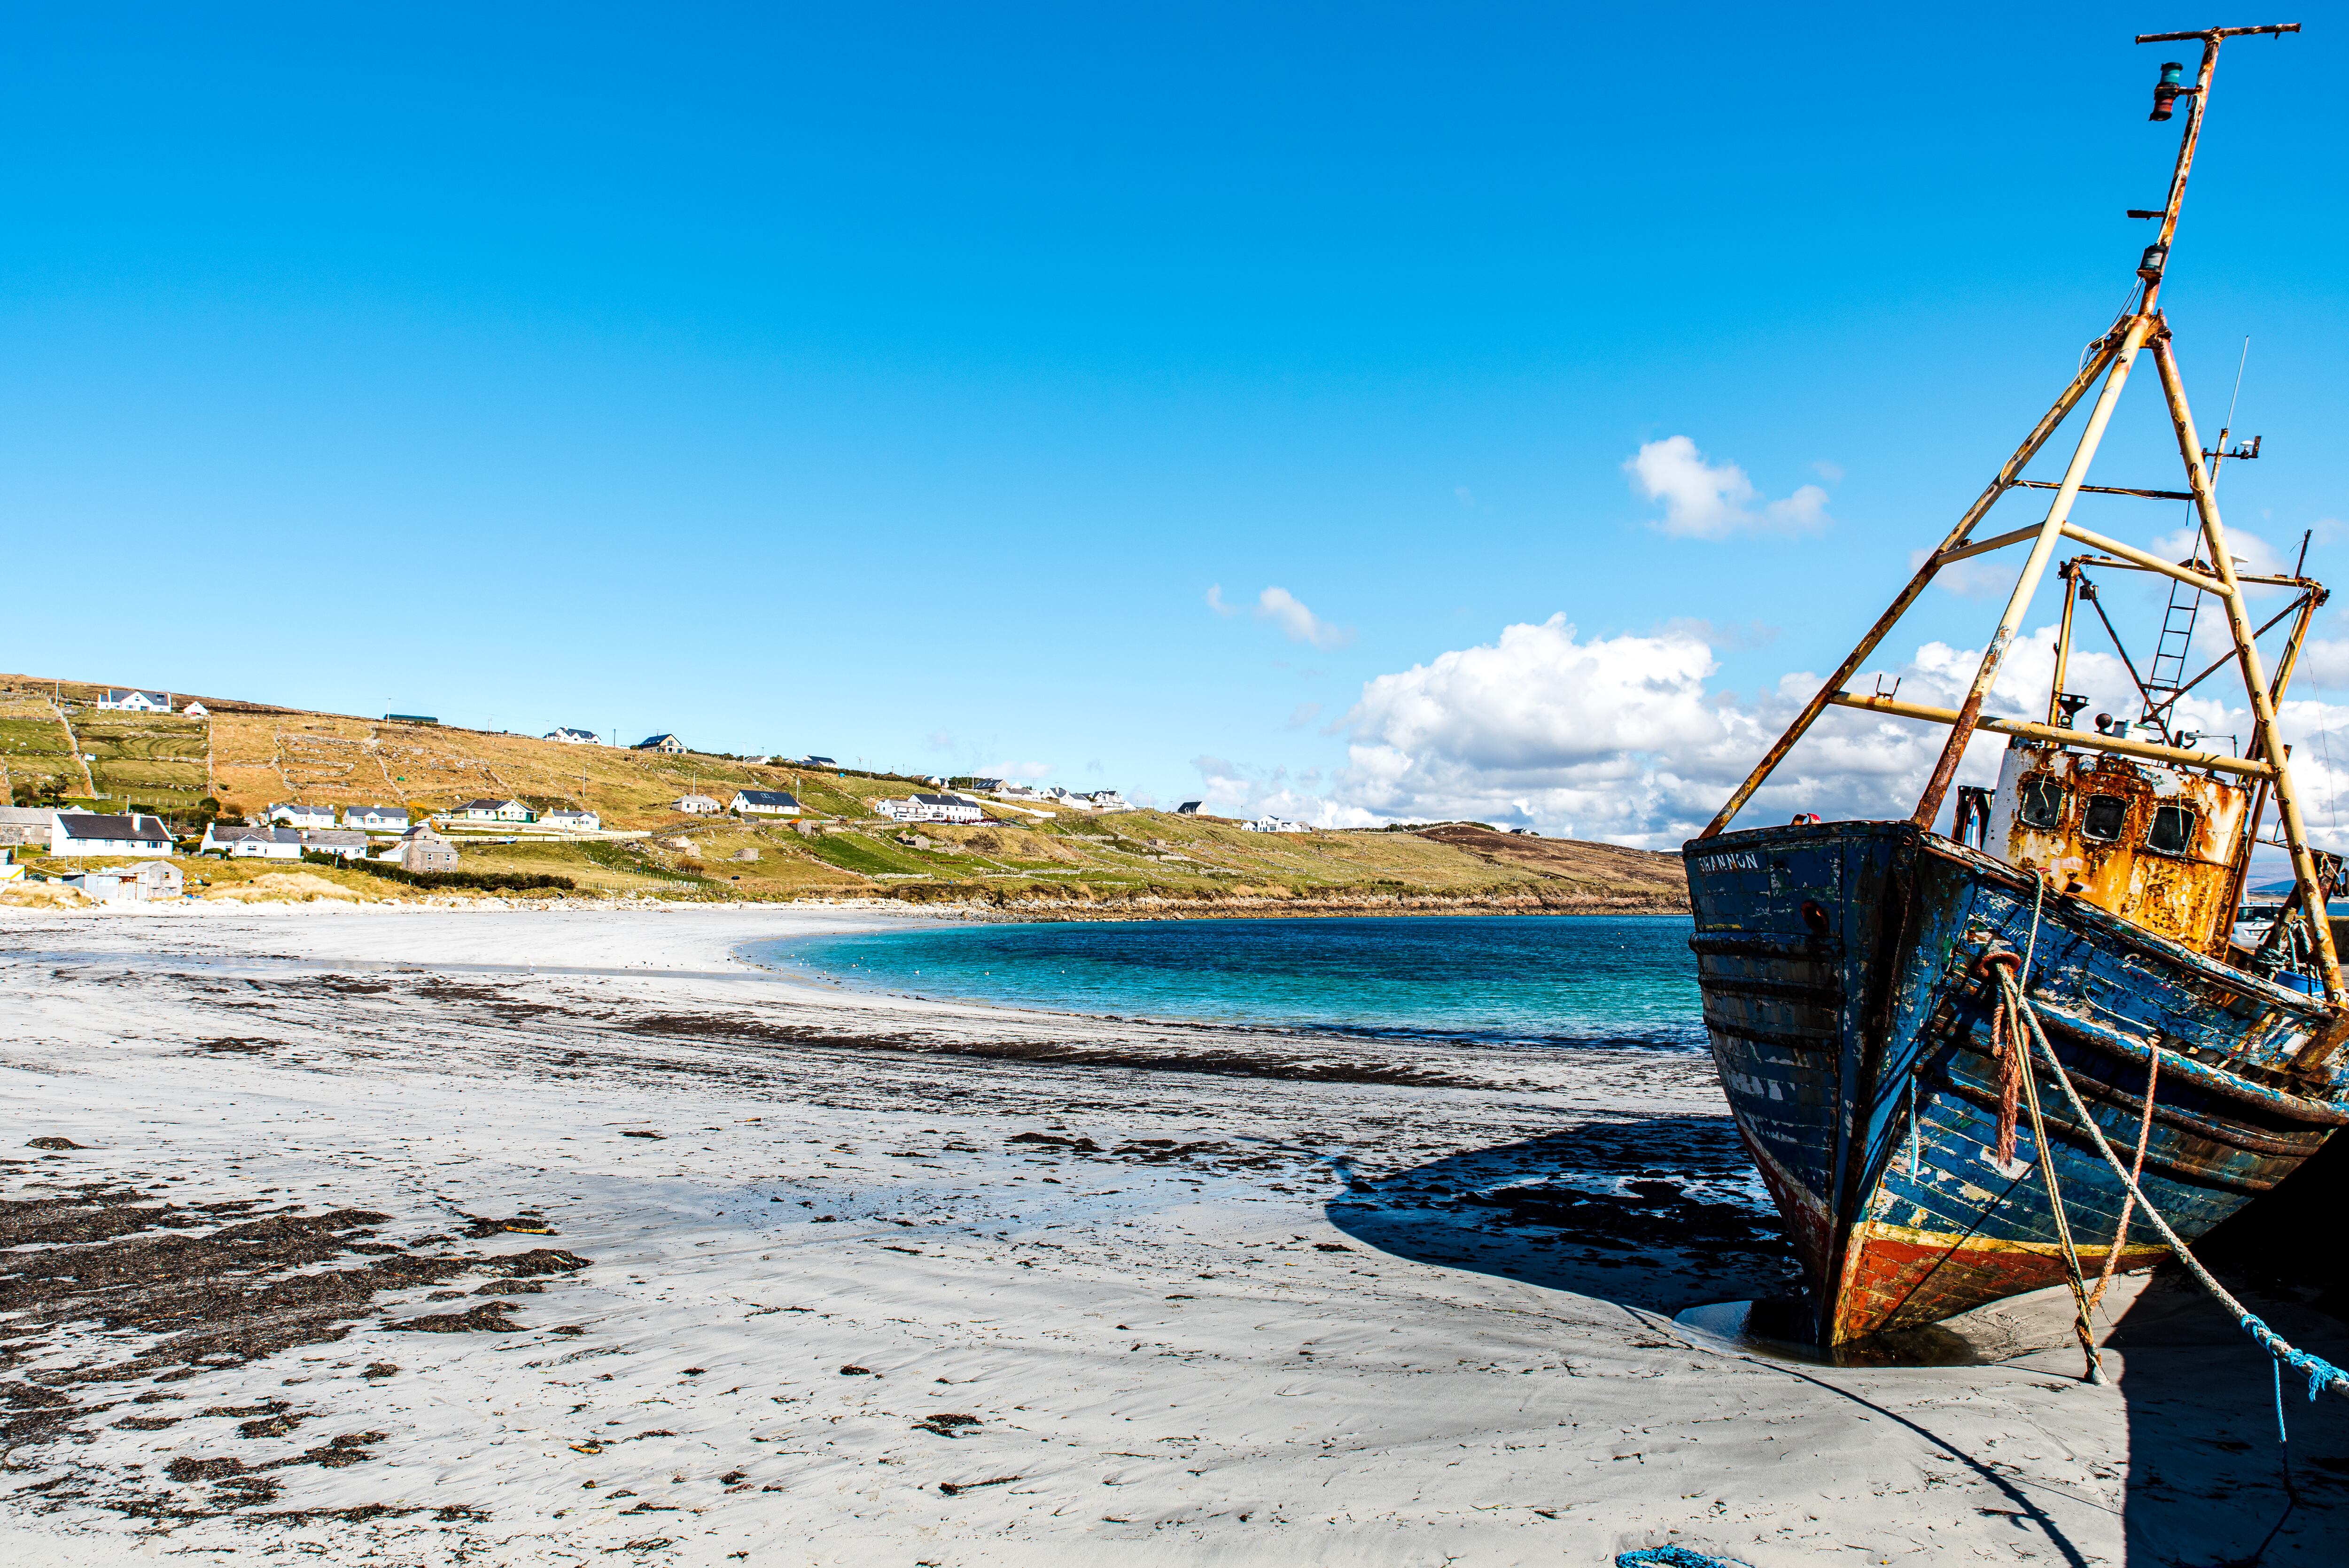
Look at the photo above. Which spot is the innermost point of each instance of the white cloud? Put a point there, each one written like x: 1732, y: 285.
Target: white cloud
x: 1708, y: 501
x: 1977, y: 576
x: 1625, y: 738
x: 1805, y: 511
x: 1303, y: 713
x: 2252, y: 553
x: 2323, y: 661
x: 1287, y: 612
x: 1297, y: 623
x: 1030, y: 771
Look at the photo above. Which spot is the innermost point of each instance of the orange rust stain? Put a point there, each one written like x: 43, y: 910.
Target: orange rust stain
x: 2111, y: 824
x: 1895, y: 1282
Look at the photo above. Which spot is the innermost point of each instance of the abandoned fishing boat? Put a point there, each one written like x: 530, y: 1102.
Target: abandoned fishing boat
x: 1852, y: 971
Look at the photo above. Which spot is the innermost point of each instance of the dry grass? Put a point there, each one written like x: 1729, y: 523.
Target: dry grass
x: 259, y: 755
x: 286, y: 887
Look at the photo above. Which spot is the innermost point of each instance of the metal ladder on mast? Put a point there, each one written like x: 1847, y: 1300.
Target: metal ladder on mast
x: 2167, y: 673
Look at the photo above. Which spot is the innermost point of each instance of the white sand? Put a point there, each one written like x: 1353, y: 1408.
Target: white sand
x: 1167, y: 1356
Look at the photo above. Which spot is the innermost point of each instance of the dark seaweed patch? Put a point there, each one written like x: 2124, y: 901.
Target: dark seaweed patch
x: 1215, y: 1062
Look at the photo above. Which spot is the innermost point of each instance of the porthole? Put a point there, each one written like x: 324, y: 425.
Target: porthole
x: 2173, y: 830
x: 2105, y: 817
x: 2039, y: 803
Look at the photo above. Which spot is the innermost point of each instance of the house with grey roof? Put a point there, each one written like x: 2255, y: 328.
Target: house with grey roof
x: 92, y: 833
x: 342, y: 843
x: 578, y: 822
x: 136, y: 701
x: 26, y: 824
x: 670, y: 743
x: 928, y: 808
x: 252, y: 844
x: 764, y: 803
x: 375, y: 819
x: 298, y: 816
x: 422, y: 849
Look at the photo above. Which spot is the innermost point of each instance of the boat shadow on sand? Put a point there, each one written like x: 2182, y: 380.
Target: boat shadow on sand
x: 1664, y: 1214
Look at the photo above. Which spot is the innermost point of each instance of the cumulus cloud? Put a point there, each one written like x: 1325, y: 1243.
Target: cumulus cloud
x: 2323, y: 661
x: 2253, y: 555
x: 1030, y: 771
x: 1627, y: 739
x: 1712, y: 500
x: 1215, y: 601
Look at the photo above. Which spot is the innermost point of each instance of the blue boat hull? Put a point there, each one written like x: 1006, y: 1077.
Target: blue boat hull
x: 1851, y: 1028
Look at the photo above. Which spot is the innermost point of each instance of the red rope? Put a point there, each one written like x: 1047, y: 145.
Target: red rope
x: 2009, y: 1056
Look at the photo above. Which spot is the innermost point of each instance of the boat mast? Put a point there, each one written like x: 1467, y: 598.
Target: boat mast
x: 2111, y: 357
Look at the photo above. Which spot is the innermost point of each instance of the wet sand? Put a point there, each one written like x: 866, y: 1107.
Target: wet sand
x: 411, y: 1236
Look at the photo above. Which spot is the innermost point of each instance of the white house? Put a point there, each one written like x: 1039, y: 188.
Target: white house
x: 497, y: 811
x: 574, y: 737
x: 137, y: 701
x: 375, y: 819
x: 699, y: 805
x: 670, y: 743
x: 764, y: 803
x: 930, y: 809
x: 294, y: 816
x: 195, y: 710
x: 580, y: 821
x: 245, y: 843
x: 131, y: 885
x: 86, y: 833
x: 341, y: 842
x: 1271, y: 824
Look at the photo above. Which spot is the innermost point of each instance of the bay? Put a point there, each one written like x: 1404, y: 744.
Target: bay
x: 1623, y: 981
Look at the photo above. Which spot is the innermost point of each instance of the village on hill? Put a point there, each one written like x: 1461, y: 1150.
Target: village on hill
x: 132, y: 794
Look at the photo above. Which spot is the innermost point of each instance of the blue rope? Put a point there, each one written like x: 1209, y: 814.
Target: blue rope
x: 2321, y: 1374
x: 1671, y: 1557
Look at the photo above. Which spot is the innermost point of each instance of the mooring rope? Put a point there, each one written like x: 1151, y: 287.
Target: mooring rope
x: 2322, y: 1374
x: 2014, y: 1070
x: 2137, y: 1173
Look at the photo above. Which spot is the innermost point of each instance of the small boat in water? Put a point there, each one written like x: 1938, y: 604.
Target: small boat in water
x: 1850, y: 970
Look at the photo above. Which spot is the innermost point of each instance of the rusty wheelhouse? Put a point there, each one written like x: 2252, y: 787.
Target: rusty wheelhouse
x: 1846, y: 965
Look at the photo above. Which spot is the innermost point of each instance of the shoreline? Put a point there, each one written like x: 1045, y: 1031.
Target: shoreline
x: 538, y: 1235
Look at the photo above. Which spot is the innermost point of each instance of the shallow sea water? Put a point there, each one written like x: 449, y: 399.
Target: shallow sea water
x: 1626, y: 980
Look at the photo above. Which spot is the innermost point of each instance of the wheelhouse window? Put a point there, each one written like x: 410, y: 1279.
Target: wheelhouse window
x: 2039, y: 803
x: 2173, y: 830
x: 2105, y: 817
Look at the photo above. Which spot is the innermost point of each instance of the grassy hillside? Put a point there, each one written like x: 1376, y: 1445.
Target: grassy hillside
x: 248, y: 755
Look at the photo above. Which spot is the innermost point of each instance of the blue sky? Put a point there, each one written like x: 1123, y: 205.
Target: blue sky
x: 898, y: 385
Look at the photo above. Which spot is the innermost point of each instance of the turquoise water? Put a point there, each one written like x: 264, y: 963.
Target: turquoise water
x: 1606, y: 981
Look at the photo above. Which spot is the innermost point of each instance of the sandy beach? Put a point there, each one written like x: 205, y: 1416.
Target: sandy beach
x: 532, y: 1236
